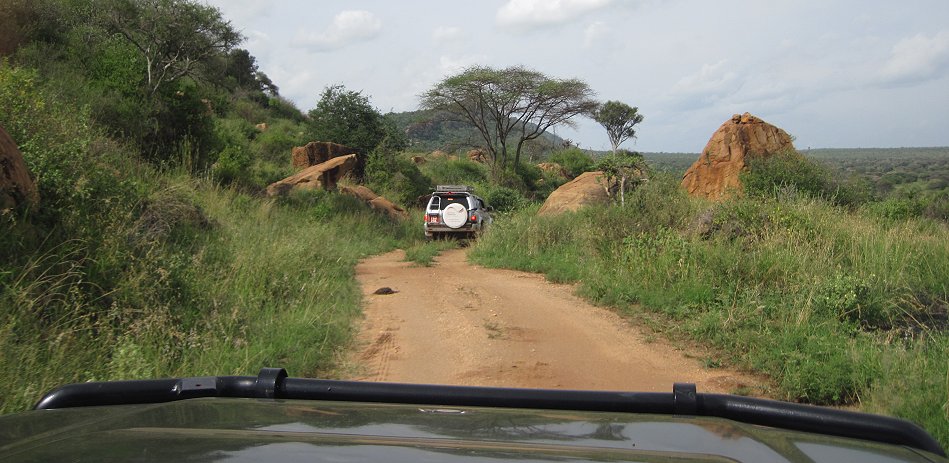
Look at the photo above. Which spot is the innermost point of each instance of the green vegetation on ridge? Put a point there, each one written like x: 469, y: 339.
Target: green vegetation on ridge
x: 152, y: 253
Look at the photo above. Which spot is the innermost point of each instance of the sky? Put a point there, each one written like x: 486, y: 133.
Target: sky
x: 833, y: 74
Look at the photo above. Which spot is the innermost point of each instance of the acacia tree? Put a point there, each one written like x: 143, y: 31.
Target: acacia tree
x: 619, y: 120
x: 176, y: 38
x: 512, y: 105
x: 622, y: 171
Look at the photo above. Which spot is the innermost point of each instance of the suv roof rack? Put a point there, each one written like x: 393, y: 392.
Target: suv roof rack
x: 273, y: 383
x: 454, y: 188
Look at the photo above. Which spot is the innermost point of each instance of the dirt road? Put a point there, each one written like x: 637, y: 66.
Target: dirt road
x: 456, y: 323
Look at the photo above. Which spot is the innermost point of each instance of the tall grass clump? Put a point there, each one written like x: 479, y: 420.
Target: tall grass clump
x: 455, y: 171
x: 151, y: 252
x: 203, y: 280
x: 835, y: 306
x: 128, y: 271
x: 424, y: 254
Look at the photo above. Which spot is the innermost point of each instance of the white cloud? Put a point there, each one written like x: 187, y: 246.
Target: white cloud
x: 595, y: 32
x: 255, y: 39
x: 348, y: 27
x: 443, y: 34
x: 296, y: 84
x: 533, y: 13
x: 242, y: 12
x: 917, y: 59
x: 712, y: 84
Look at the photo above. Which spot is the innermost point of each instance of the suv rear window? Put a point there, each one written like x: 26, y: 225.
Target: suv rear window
x: 440, y: 202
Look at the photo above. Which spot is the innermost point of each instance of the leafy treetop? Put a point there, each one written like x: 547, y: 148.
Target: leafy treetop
x: 619, y: 120
x: 175, y: 37
x: 512, y: 105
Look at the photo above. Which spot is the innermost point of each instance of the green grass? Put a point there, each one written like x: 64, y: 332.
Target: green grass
x: 424, y: 253
x: 213, y: 282
x: 131, y: 270
x: 836, y: 307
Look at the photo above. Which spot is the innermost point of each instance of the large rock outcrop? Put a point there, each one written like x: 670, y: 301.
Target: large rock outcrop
x: 324, y: 176
x: 739, y: 140
x: 318, y: 152
x: 16, y: 186
x: 587, y: 189
x: 376, y: 202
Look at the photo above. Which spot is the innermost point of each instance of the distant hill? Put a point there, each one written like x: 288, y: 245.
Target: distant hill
x: 670, y: 162
x: 430, y: 130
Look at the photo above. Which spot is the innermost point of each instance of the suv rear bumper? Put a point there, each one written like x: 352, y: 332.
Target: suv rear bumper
x: 431, y: 229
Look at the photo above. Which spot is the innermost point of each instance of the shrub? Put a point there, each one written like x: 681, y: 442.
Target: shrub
x: 398, y: 179
x: 283, y: 108
x: 276, y: 143
x: 457, y: 171
x: 183, y: 126
x: 788, y: 175
x: 574, y: 160
x: 54, y: 138
x: 250, y: 111
x: 623, y: 172
x: 408, y: 183
x: 232, y: 165
x: 503, y: 199
x: 937, y: 207
x: 766, y: 175
x: 526, y: 178
x: 895, y: 209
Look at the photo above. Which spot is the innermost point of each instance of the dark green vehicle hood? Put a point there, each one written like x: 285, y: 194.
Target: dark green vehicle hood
x: 227, y: 429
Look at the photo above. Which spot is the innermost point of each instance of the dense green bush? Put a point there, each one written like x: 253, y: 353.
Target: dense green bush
x: 276, y: 143
x: 936, y: 206
x: 766, y: 176
x: 407, y: 183
x: 574, y: 160
x: 233, y: 165
x: 282, y: 108
x: 502, y: 199
x: 909, y: 202
x: 529, y: 179
x: 348, y: 118
x: 895, y: 209
x: 790, y: 174
x: 54, y: 138
x: 455, y: 171
x: 395, y: 177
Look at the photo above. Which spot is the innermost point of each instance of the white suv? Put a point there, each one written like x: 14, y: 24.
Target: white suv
x: 455, y: 210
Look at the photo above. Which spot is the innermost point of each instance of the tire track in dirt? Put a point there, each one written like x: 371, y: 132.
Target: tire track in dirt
x: 461, y: 324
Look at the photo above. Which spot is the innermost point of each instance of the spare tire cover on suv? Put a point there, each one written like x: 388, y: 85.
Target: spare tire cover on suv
x: 455, y: 215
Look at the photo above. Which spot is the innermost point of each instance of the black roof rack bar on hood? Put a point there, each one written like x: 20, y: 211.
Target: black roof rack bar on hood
x: 273, y: 383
